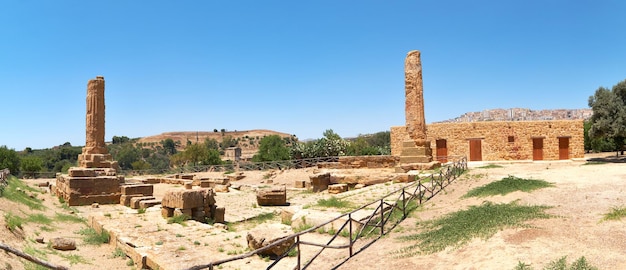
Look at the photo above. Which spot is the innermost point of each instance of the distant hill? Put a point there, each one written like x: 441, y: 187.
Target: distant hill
x: 522, y: 114
x: 247, y: 139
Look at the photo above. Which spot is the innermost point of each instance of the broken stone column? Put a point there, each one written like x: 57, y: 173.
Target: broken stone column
x: 95, y: 180
x: 417, y: 150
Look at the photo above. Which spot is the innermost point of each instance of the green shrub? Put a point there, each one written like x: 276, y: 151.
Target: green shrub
x: 458, y: 228
x: 507, y: 185
x: 91, y: 237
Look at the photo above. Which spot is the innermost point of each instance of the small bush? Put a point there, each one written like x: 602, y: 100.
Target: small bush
x: 616, y: 213
x: 141, y: 211
x: 91, y: 237
x: 118, y: 253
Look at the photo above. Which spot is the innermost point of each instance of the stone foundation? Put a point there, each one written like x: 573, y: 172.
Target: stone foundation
x: 88, y: 189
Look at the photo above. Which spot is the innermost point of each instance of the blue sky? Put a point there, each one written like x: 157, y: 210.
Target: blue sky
x: 299, y: 67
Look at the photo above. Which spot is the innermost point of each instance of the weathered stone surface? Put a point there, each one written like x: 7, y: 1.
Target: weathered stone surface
x: 135, y: 201
x: 219, y: 214
x: 167, y: 212
x: 337, y: 188
x: 414, y: 97
x: 266, y: 234
x: 144, y: 189
x: 420, y: 166
x: 404, y: 178
x: 95, y: 180
x: 209, y: 197
x: 320, y: 181
x: 235, y: 176
x: 272, y: 196
x: 300, y: 184
x: 94, y: 143
x: 221, y: 188
x: 184, y: 199
x: 59, y: 243
x: 125, y: 199
x: 148, y: 203
x: 183, y: 212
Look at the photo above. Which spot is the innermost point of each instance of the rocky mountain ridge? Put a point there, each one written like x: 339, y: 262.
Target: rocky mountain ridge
x: 522, y: 114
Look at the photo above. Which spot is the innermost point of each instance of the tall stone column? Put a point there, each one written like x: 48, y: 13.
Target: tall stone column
x: 95, y: 153
x: 414, y: 102
x: 95, y: 117
x: 416, y: 152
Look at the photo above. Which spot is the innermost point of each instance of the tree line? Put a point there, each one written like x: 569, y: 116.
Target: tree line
x: 165, y: 155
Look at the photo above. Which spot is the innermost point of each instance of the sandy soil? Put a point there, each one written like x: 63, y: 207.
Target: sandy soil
x: 582, y: 194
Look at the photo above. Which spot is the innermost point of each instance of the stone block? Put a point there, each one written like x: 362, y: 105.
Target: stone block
x: 184, y: 199
x: 187, y: 176
x: 81, y: 172
x: 337, y: 188
x: 272, y: 196
x: 218, y: 216
x: 320, y: 181
x: 125, y: 199
x: 181, y: 212
x: 300, y: 184
x: 209, y: 197
x: 266, y: 234
x: 167, y: 212
x: 221, y: 188
x: 145, y: 189
x: 148, y: 203
x: 134, y: 202
x: 404, y: 178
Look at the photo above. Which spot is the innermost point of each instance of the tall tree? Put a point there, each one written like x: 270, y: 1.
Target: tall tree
x: 609, y: 114
x: 272, y: 148
x: 9, y: 160
x: 31, y: 164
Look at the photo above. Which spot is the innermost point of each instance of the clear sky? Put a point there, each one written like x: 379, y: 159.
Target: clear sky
x: 298, y: 67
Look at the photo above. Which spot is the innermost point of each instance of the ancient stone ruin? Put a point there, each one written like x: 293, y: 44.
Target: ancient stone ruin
x: 198, y: 204
x: 416, y: 151
x: 95, y: 180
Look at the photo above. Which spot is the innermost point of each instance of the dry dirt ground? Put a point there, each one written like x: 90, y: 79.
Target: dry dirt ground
x: 582, y: 194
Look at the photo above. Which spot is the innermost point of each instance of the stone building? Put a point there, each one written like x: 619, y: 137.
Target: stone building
x: 506, y: 140
x: 232, y: 153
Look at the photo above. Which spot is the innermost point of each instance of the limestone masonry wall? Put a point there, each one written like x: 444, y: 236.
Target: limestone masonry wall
x: 501, y: 140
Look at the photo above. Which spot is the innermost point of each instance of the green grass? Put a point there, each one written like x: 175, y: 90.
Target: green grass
x: 13, y: 222
x: 507, y: 185
x: 178, y: 219
x: 91, y: 237
x: 118, y: 253
x: 616, y: 213
x: 68, y: 218
x: 458, y: 228
x: 333, y: 202
x: 39, y: 219
x: 595, y: 163
x: 490, y: 166
x: 141, y: 211
x: 561, y: 264
x: 396, y: 216
x: 12, y: 193
x: 74, y: 258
